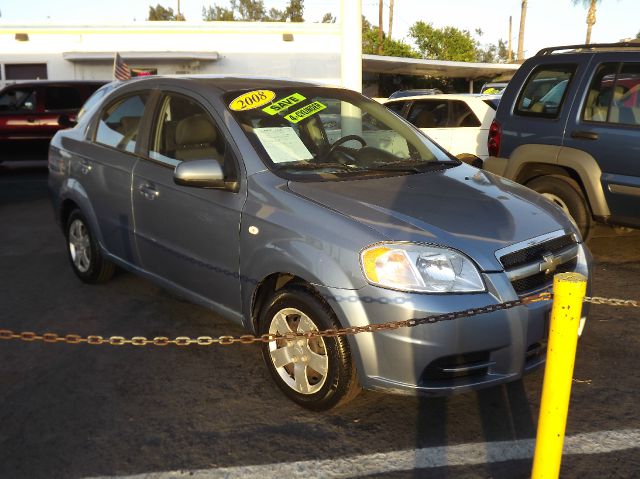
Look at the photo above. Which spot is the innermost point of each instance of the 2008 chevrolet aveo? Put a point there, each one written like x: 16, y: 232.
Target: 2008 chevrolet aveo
x: 286, y: 206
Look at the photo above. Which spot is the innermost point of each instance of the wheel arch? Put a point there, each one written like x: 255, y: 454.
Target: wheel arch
x: 531, y: 161
x: 265, y: 289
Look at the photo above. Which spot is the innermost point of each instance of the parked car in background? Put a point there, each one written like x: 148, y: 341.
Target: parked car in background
x: 415, y: 92
x: 37, y: 110
x: 493, y: 88
x: 459, y: 122
x: 293, y: 208
x: 568, y: 126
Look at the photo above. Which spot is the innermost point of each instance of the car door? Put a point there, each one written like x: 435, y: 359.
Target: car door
x: 58, y: 100
x: 104, y: 165
x: 188, y: 236
x: 606, y: 125
x: 19, y: 113
x: 466, y: 131
x: 432, y: 117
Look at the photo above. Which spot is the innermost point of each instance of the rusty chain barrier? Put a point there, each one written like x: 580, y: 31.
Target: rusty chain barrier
x: 93, y: 340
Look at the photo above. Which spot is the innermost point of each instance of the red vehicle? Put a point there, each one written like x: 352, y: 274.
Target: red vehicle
x: 37, y: 110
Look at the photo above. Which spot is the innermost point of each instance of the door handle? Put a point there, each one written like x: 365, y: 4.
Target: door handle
x: 85, y: 167
x: 584, y: 135
x: 30, y: 119
x: 148, y: 191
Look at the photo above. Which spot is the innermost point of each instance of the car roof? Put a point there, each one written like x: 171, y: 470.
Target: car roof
x: 446, y: 96
x: 32, y: 83
x: 225, y: 82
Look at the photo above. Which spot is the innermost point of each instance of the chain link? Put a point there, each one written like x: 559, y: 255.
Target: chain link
x: 612, y: 301
x: 265, y: 338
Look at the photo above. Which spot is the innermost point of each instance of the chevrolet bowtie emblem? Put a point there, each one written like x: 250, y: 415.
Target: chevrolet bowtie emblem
x: 550, y: 263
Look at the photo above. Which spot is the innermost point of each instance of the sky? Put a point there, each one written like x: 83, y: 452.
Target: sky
x: 548, y: 22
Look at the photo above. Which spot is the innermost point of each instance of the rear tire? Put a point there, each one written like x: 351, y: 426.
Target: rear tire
x: 318, y: 373
x: 84, y: 253
x: 567, y: 194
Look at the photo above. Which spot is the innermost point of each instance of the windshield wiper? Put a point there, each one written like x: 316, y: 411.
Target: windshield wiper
x: 412, y: 166
x: 314, y: 166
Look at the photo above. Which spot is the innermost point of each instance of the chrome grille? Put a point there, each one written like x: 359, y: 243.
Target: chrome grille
x: 533, y: 266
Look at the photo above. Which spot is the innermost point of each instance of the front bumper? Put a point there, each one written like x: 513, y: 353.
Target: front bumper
x: 448, y: 356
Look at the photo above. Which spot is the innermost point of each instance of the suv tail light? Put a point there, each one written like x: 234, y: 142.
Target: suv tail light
x: 495, y: 135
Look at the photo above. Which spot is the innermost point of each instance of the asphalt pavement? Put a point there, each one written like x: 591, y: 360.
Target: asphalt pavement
x: 74, y: 411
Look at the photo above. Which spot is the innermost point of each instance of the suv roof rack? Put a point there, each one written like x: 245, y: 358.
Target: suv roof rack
x: 592, y: 46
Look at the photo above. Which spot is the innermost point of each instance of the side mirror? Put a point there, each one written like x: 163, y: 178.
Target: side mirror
x: 199, y: 173
x: 65, y: 121
x: 470, y: 159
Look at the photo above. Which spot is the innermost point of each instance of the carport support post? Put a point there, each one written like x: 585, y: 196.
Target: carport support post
x: 568, y: 294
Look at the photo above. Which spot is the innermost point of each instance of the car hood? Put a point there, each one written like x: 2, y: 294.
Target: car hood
x: 470, y: 210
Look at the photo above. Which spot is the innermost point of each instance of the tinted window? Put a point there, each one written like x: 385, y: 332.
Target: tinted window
x: 430, y: 114
x: 184, y: 132
x: 545, y: 90
x: 18, y: 99
x: 62, y: 98
x: 395, y: 106
x: 120, y: 122
x: 614, y: 95
x: 462, y: 116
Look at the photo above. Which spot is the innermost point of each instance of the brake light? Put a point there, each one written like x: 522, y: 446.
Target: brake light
x: 495, y: 135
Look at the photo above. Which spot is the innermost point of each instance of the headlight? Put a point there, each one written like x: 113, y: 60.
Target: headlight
x: 420, y: 268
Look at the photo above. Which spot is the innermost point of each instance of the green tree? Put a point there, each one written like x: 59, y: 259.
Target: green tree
x: 638, y: 35
x: 448, y: 43
x: 329, y: 18
x: 162, y: 14
x: 493, y: 53
x: 217, y: 13
x: 392, y: 48
x: 254, y: 11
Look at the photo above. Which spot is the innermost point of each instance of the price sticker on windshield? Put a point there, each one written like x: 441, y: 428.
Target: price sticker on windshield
x: 305, y: 112
x: 279, y: 106
x: 251, y: 100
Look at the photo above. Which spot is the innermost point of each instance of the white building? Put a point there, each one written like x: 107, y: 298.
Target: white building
x: 318, y: 52
x: 304, y: 51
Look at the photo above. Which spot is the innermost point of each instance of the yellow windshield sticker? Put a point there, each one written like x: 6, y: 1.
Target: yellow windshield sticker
x: 305, y: 112
x: 282, y: 104
x: 251, y: 100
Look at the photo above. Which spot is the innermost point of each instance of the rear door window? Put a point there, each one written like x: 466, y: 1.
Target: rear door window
x: 430, y: 114
x: 62, y: 98
x: 462, y: 116
x: 120, y: 122
x: 545, y: 90
x: 614, y: 95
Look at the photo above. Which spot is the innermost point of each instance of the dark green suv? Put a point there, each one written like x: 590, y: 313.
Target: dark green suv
x: 568, y: 126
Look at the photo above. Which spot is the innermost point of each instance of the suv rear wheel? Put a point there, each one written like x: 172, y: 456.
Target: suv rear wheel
x: 567, y: 194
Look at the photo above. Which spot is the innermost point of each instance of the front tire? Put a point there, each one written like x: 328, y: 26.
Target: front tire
x: 316, y: 373
x: 567, y: 194
x: 84, y: 253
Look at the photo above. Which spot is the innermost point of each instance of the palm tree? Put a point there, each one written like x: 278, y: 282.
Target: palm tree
x: 523, y: 15
x: 591, y: 15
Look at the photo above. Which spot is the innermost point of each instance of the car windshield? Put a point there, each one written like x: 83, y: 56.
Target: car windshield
x: 317, y: 133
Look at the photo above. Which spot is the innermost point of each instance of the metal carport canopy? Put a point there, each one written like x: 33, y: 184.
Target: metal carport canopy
x: 437, y: 68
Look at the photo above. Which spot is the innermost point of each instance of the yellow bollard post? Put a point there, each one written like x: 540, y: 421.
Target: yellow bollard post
x: 568, y: 294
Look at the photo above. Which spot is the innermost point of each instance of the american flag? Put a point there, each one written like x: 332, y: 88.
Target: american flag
x: 121, y: 70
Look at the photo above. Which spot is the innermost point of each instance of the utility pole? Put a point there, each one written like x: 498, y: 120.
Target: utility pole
x: 510, y: 52
x: 390, y: 17
x: 380, y: 50
x: 523, y: 15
